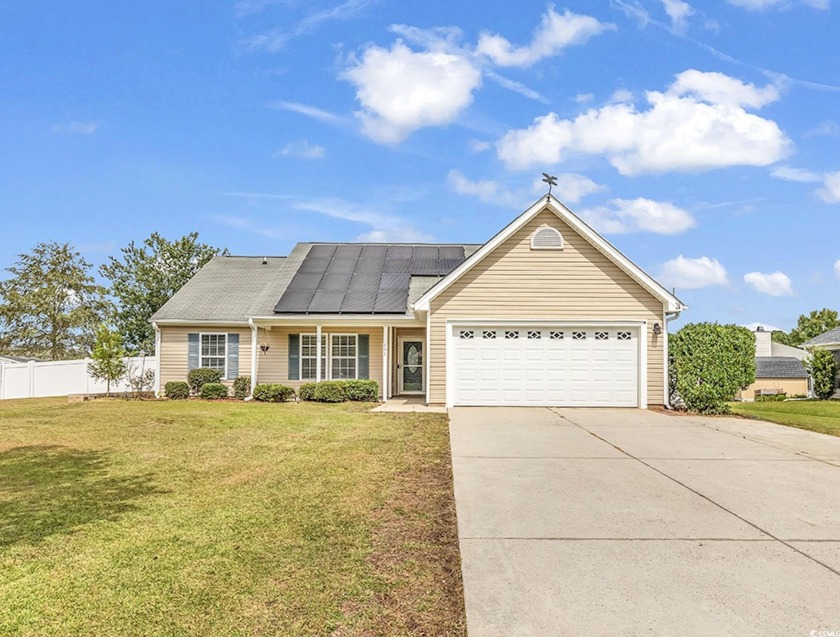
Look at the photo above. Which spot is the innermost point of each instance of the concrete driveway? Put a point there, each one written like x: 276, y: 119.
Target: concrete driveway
x: 626, y: 522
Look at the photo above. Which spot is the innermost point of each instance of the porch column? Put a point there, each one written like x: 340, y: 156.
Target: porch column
x: 318, y: 353
x: 386, y: 370
x: 254, y: 357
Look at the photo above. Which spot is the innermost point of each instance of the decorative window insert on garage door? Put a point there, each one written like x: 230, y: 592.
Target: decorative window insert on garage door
x: 581, y: 364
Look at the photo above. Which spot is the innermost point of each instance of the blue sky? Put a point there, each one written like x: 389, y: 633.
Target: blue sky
x: 701, y: 139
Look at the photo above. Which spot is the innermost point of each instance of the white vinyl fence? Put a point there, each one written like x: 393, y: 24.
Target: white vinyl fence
x: 60, y: 378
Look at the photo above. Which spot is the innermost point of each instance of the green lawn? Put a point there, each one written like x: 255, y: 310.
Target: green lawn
x: 815, y: 415
x: 195, y: 518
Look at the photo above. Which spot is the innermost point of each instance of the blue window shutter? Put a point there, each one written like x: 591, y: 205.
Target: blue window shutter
x: 193, y: 348
x: 364, y: 356
x: 294, y: 356
x: 232, y: 356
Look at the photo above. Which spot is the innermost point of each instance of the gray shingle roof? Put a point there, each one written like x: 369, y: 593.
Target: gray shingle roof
x: 779, y: 367
x: 830, y: 337
x: 225, y: 289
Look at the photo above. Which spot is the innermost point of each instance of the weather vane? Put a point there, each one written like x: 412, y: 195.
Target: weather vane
x: 551, y: 180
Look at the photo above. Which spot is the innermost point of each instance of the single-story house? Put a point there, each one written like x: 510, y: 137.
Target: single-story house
x: 779, y: 369
x: 547, y: 312
x: 829, y: 340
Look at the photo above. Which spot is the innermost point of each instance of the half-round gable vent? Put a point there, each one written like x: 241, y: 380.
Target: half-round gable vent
x: 546, y: 238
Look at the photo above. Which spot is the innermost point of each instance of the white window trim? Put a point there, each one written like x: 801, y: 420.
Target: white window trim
x: 356, y: 348
x: 201, y: 356
x: 325, y: 351
x: 327, y: 355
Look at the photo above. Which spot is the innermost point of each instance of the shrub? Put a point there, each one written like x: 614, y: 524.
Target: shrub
x: 330, y: 391
x: 213, y: 391
x: 362, y: 390
x: 242, y: 387
x: 823, y: 368
x: 711, y: 362
x: 770, y: 398
x: 201, y: 376
x: 176, y: 390
x: 307, y: 391
x: 273, y: 393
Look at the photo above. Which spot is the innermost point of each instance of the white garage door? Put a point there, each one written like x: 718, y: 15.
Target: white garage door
x: 547, y: 366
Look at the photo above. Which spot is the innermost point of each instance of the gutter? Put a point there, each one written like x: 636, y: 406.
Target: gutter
x: 669, y: 316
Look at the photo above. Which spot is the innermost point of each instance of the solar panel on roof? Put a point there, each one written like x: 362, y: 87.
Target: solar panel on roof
x: 363, y: 278
x: 326, y: 301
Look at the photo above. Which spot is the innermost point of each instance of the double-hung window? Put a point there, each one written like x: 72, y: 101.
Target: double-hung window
x: 214, y: 352
x: 343, y: 354
x: 309, y: 356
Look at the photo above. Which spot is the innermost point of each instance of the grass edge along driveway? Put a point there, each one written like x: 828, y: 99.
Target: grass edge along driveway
x: 822, y: 416
x: 197, y: 518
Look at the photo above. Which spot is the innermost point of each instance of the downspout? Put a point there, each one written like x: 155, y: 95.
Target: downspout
x: 669, y: 316
x: 254, y: 338
x: 157, y: 359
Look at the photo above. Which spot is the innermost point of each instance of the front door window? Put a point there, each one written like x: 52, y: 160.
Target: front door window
x: 412, y: 366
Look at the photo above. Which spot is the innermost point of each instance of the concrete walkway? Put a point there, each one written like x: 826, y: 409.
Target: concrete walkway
x: 627, y: 522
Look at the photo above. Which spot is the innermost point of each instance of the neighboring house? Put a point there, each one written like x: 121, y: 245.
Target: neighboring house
x: 7, y: 358
x: 829, y: 340
x: 778, y: 369
x: 545, y: 313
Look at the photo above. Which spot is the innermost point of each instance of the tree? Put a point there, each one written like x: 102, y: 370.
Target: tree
x: 808, y: 326
x: 823, y: 368
x: 711, y: 363
x: 780, y: 336
x: 146, y: 276
x: 108, y: 356
x: 50, y: 305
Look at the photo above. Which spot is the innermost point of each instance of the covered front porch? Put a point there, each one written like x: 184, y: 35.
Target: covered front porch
x: 297, y: 350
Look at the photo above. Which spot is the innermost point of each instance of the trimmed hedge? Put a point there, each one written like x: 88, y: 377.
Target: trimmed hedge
x: 273, y: 393
x: 242, y: 387
x: 770, y: 398
x: 213, y: 391
x: 362, y: 390
x: 176, y: 390
x: 338, y: 391
x: 330, y: 391
x: 307, y: 391
x: 197, y: 378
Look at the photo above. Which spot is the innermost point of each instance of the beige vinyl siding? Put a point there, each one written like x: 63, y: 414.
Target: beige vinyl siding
x: 174, y: 349
x: 576, y: 283
x: 273, y: 367
x: 789, y: 386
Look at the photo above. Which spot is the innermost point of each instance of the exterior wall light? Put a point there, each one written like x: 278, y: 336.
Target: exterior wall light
x: 657, y: 329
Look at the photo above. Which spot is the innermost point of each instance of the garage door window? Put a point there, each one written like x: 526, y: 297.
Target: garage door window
x: 556, y: 336
x: 602, y: 336
x: 510, y: 334
x: 534, y: 335
x: 624, y: 336
x: 466, y: 334
x: 488, y: 334
x: 578, y: 336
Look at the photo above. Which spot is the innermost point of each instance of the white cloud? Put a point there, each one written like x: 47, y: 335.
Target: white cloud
x: 571, y: 187
x: 699, y: 123
x: 760, y: 5
x: 274, y: 40
x: 401, y: 90
x: 556, y: 32
x: 76, y: 128
x: 639, y: 215
x: 679, y: 12
x: 479, y: 145
x: 383, y: 227
x: 825, y: 128
x: 830, y: 192
x: 308, y: 111
x: 584, y: 98
x: 774, y: 284
x: 756, y: 324
x: 302, y: 150
x: 516, y: 87
x: 689, y: 273
x: 796, y: 174
x: 485, y: 190
x: 837, y: 269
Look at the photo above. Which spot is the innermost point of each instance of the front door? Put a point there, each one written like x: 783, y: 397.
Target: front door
x: 411, y: 367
